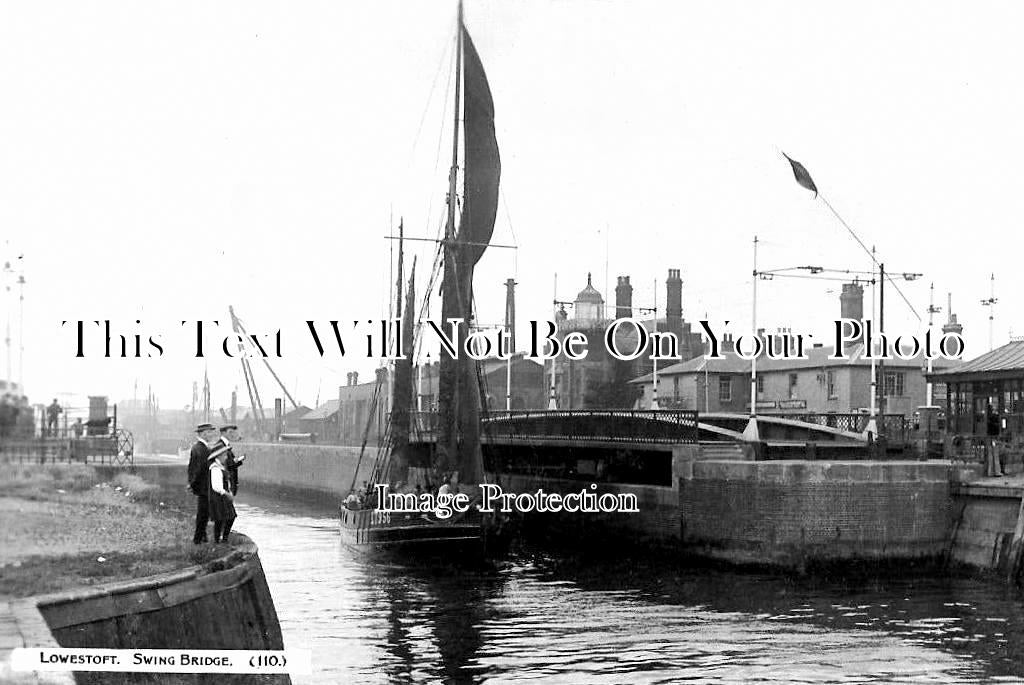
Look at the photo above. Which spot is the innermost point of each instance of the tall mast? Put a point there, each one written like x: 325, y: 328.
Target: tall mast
x: 448, y: 395
x: 454, y: 172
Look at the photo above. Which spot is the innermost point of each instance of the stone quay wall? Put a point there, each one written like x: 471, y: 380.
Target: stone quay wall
x: 324, y: 470
x: 792, y: 513
x: 781, y: 512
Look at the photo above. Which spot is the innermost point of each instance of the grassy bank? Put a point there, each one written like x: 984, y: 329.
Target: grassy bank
x: 62, y: 527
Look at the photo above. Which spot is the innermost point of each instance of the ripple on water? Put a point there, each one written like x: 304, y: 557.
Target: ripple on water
x: 544, y: 619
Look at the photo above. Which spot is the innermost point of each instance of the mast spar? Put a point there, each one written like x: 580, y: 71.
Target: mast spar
x: 448, y: 371
x: 458, y: 389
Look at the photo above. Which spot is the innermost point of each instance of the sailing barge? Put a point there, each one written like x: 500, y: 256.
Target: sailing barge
x: 457, y: 450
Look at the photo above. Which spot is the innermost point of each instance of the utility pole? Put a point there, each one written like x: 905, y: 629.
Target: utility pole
x: 750, y: 433
x: 21, y: 334
x: 8, y: 272
x: 654, y: 392
x: 871, y: 431
x: 552, y: 402
x: 881, y: 332
x: 932, y: 311
x: 991, y: 304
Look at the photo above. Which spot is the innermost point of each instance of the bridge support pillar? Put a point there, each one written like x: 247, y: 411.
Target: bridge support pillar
x: 750, y: 433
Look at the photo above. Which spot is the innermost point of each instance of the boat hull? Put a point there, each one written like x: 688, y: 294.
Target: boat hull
x: 372, y: 531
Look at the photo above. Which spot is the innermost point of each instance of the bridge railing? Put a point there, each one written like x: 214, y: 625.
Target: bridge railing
x: 637, y: 426
x: 896, y: 428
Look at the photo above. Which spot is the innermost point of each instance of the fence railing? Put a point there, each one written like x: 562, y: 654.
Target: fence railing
x: 117, y: 448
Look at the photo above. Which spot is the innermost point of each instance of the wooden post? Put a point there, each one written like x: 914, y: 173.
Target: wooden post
x: 1016, y: 546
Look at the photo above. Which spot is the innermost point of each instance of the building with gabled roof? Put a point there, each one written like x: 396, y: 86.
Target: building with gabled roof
x: 817, y: 384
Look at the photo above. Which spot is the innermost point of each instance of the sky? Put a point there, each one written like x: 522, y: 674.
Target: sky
x: 162, y: 161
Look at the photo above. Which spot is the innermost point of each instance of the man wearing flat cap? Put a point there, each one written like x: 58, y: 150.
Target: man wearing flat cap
x: 199, y: 478
x: 228, y: 435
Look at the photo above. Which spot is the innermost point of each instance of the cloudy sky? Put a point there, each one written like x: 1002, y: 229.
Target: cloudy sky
x: 161, y: 161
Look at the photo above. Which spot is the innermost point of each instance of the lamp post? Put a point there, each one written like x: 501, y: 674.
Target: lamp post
x: 8, y: 274
x: 991, y: 304
x: 751, y: 433
x: 932, y: 311
x: 818, y: 272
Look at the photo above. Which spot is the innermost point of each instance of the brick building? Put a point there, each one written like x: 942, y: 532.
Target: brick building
x: 816, y: 384
x: 600, y: 380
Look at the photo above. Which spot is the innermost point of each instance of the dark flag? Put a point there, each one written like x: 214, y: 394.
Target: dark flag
x: 801, y: 175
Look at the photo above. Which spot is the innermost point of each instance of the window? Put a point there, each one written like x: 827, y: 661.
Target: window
x: 760, y: 385
x: 894, y: 384
x: 792, y: 385
x: 725, y: 389
x: 830, y: 380
x: 675, y: 388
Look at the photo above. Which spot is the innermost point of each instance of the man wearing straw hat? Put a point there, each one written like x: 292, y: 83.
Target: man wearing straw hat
x: 199, y: 478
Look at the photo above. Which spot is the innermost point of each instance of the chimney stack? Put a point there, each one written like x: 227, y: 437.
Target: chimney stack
x: 674, y: 302
x: 623, y: 299
x: 851, y: 306
x: 851, y: 301
x: 951, y: 325
x: 510, y: 313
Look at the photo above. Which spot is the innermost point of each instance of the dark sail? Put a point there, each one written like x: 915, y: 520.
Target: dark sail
x: 483, y: 163
x: 458, y: 390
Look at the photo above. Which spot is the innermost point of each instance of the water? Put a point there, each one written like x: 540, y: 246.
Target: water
x: 545, y: 619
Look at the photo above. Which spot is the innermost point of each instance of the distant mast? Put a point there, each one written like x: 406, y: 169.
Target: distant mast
x: 402, y: 386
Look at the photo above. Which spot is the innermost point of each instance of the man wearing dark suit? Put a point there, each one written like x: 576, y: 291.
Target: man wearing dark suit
x: 229, y: 435
x: 199, y: 478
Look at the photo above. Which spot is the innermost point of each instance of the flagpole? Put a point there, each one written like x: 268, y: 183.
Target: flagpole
x: 750, y: 433
x: 654, y: 392
x: 552, y: 401
x: 871, y: 430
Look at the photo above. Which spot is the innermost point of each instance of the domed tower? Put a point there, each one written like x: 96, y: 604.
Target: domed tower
x: 589, y: 305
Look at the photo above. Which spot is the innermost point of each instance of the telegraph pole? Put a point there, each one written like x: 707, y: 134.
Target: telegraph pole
x: 7, y: 275
x: 654, y: 392
x: 932, y: 311
x: 991, y: 304
x: 750, y: 433
x: 552, y: 401
x: 881, y: 331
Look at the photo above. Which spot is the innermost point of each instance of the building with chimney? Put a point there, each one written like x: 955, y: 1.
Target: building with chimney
x: 600, y: 380
x: 343, y: 420
x: 817, y: 384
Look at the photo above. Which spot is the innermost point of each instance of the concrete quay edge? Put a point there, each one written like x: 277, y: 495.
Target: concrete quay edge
x: 22, y: 623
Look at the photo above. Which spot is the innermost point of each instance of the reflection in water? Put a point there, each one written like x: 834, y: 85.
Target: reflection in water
x: 551, y: 619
